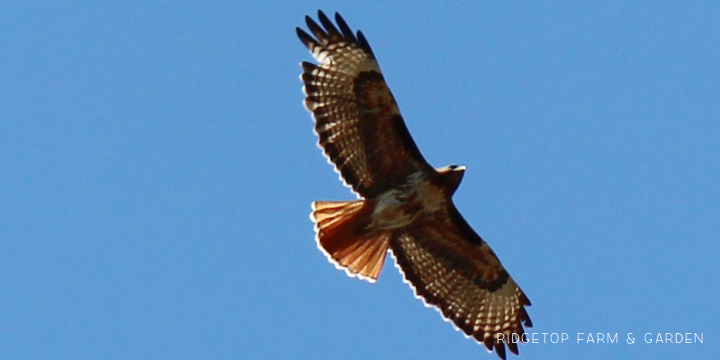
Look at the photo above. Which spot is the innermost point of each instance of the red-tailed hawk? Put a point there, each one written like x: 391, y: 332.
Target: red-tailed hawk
x: 405, y: 205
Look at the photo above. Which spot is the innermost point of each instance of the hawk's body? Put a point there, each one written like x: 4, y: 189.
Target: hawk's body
x: 406, y: 205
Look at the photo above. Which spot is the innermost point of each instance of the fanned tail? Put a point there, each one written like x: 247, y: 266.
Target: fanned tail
x: 342, y: 236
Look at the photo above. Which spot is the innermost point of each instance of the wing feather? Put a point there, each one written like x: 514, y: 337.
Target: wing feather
x: 357, y: 120
x: 451, y: 268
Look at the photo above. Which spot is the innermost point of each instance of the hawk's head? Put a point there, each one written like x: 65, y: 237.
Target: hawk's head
x: 450, y: 176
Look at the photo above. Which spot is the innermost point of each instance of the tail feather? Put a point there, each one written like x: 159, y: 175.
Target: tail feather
x: 340, y: 235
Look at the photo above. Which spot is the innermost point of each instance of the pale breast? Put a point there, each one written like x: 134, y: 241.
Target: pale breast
x: 399, y: 207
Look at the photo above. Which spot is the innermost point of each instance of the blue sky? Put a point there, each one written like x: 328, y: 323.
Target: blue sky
x: 157, y: 169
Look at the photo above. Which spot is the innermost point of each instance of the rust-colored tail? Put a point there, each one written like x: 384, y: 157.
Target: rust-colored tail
x: 340, y: 234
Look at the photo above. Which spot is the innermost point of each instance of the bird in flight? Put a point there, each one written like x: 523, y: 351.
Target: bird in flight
x: 404, y: 205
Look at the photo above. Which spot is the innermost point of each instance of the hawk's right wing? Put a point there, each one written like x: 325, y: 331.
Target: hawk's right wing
x: 356, y: 117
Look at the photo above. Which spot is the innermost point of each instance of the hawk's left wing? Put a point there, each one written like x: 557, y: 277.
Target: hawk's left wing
x: 451, y: 268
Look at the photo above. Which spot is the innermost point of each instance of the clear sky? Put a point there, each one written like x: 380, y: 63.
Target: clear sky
x: 157, y: 169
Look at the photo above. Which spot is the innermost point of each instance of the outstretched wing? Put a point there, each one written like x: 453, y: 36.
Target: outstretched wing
x: 451, y: 268
x: 357, y: 119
